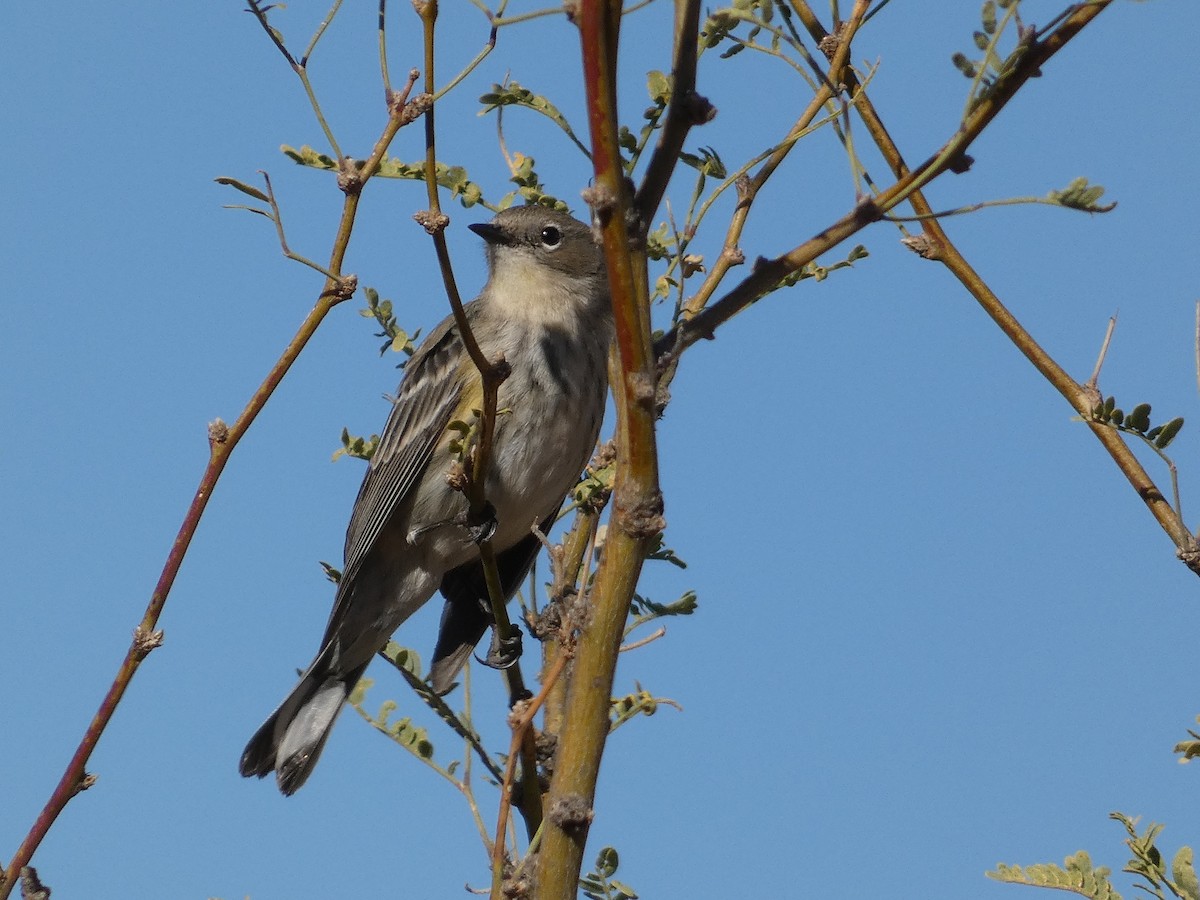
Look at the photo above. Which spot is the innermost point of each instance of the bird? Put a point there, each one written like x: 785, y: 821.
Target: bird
x: 545, y: 309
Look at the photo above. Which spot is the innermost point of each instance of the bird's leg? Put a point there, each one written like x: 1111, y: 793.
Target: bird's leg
x: 503, y: 653
x: 481, y: 525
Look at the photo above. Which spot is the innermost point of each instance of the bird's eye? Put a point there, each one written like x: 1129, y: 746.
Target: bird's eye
x: 551, y: 237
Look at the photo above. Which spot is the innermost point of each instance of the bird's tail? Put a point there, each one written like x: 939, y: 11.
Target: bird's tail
x: 289, y: 743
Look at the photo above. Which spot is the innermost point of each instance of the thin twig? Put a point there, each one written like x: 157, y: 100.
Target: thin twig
x: 1094, y: 381
x: 1198, y: 345
x: 642, y: 642
x: 299, y: 67
x: 491, y: 373
x: 748, y: 189
x: 320, y: 32
x: 769, y: 272
x: 520, y: 728
x: 685, y: 109
x: 383, y: 66
x: 1067, y: 26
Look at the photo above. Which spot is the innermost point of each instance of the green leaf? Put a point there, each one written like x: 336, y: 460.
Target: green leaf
x: 607, y: 862
x: 244, y: 188
x: 307, y: 156
x: 1184, y: 873
x: 988, y: 17
x: 1168, y: 433
x: 964, y: 65
x: 659, y: 86
x: 1139, y: 418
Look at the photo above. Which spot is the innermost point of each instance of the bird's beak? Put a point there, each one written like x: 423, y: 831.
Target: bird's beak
x: 493, y: 234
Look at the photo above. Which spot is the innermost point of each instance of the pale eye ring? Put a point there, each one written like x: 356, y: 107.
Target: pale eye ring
x: 551, y: 237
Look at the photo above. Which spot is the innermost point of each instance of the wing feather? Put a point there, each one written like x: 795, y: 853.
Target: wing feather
x: 427, y: 399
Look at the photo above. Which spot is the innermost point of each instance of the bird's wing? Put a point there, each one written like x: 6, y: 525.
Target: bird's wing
x: 427, y: 400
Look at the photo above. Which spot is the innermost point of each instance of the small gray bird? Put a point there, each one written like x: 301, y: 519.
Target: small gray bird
x: 545, y: 308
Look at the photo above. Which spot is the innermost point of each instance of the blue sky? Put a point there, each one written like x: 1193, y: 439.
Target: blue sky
x: 936, y: 629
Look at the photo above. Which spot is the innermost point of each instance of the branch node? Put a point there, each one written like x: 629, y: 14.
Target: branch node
x: 924, y: 245
x: 342, y: 289
x: 733, y: 256
x: 961, y: 163
x: 867, y: 211
x: 432, y: 222
x: 601, y: 199
x: 86, y: 780
x: 397, y: 101
x: 1190, y: 557
x: 218, y: 432
x: 698, y: 108
x: 349, y: 177
x: 829, y: 45
x: 145, y: 641
x: 517, y: 885
x: 641, y: 386
x: 745, y: 190
x: 457, y: 478
x: 31, y: 886
x: 571, y: 813
x: 641, y: 519
x: 415, y: 108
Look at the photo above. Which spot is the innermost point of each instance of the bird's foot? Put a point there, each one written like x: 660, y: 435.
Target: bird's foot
x: 503, y: 652
x: 483, y: 525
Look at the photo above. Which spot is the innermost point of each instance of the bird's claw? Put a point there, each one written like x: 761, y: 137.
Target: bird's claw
x: 481, y: 527
x: 503, y: 652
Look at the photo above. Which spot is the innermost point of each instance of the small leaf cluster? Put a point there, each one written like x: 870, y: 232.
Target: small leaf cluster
x: 595, y: 487
x: 397, y: 339
x: 356, y: 446
x: 707, y: 162
x: 599, y: 883
x: 719, y: 25
x: 640, y: 703
x: 820, y: 273
x: 660, y: 551
x: 987, y: 71
x: 513, y: 94
x: 452, y: 178
x: 660, y: 87
x: 663, y: 243
x: 1082, y: 196
x: 412, y: 738
x: 1076, y: 875
x: 460, y: 446
x: 646, y: 610
x: 1137, y: 422
x: 529, y: 186
x: 1190, y: 749
x: 1147, y: 863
